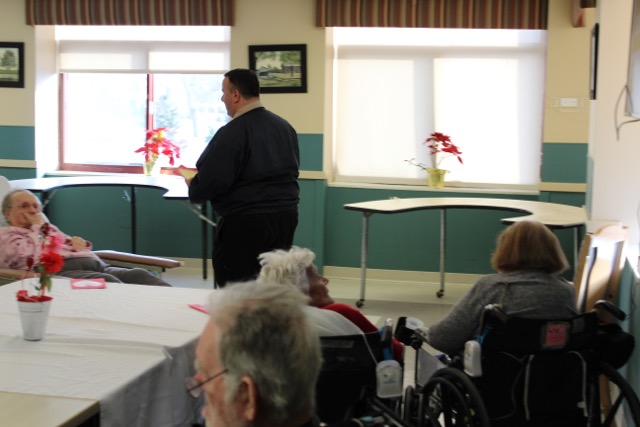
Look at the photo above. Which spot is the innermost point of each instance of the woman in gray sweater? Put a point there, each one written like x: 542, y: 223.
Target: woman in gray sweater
x: 528, y: 259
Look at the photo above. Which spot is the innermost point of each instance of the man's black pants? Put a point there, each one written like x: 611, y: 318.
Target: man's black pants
x: 239, y: 239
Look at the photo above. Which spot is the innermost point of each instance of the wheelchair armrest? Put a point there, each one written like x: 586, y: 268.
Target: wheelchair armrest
x: 108, y: 255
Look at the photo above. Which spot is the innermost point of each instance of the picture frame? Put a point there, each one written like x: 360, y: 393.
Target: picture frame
x: 12, y: 64
x: 281, y: 68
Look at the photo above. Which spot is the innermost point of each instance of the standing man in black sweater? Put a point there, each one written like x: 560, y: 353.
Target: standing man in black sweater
x: 249, y: 173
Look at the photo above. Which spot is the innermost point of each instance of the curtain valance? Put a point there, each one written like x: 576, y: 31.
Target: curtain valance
x: 500, y: 14
x: 129, y: 12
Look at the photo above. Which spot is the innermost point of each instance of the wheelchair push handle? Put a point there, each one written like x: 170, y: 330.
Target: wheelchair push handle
x: 611, y: 308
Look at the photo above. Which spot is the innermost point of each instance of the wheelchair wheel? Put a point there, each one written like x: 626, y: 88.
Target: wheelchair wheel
x: 413, y: 407
x: 452, y: 400
x: 409, y: 404
x: 613, y: 399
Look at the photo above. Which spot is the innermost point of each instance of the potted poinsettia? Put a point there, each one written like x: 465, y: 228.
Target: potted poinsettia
x: 34, y: 307
x: 155, y: 145
x: 440, y: 147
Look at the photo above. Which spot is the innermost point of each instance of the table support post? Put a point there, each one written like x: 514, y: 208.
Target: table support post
x: 577, y: 233
x: 134, y: 246
x: 205, y: 240
x: 363, y: 257
x: 443, y: 250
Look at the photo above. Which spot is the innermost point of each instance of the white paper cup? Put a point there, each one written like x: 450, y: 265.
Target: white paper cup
x: 33, y: 316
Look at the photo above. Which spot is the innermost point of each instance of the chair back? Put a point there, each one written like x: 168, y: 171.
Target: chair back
x: 600, y: 266
x: 348, y: 372
x: 5, y: 187
x: 534, y: 372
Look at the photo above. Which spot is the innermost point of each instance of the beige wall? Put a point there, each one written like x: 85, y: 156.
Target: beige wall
x: 616, y: 175
x: 16, y: 104
x: 284, y: 22
x: 568, y: 56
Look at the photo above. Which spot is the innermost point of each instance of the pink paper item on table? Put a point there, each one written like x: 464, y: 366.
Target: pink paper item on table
x: 88, y: 284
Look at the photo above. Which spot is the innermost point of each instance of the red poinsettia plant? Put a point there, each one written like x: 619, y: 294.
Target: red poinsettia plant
x: 49, y: 263
x: 440, y: 147
x: 157, y: 143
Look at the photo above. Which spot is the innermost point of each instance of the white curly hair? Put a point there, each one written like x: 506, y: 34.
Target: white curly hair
x: 287, y: 267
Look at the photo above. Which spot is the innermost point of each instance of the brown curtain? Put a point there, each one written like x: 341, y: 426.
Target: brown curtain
x: 130, y: 12
x: 499, y: 14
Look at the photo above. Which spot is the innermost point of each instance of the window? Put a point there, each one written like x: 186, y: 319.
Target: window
x: 116, y: 82
x: 393, y: 87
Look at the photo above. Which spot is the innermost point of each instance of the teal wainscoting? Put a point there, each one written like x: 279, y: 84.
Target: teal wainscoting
x: 103, y: 216
x: 410, y: 241
x: 310, y: 151
x: 17, y: 142
x: 17, y: 173
x: 164, y: 227
x: 311, y: 231
x: 555, y: 167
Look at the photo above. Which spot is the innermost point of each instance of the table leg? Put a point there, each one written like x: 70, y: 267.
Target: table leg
x: 134, y: 246
x: 577, y: 233
x: 205, y: 240
x: 443, y: 250
x: 363, y: 257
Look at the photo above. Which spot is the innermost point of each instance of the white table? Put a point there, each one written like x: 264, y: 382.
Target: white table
x: 130, y: 347
x: 18, y: 410
x: 552, y: 215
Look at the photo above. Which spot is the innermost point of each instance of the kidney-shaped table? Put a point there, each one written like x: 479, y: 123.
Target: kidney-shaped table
x: 553, y: 215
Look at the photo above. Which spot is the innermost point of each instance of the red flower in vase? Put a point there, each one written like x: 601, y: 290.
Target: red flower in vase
x: 49, y: 263
x: 156, y: 144
x: 441, y: 143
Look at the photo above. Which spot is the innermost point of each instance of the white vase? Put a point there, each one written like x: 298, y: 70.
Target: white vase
x: 34, y: 316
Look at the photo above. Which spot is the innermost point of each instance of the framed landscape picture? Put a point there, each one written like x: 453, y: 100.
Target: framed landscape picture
x: 11, y: 64
x: 281, y: 68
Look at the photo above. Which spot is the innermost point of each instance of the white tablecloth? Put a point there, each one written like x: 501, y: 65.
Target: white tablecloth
x: 128, y: 346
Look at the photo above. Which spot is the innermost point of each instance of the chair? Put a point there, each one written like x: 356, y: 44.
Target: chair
x: 348, y: 378
x: 155, y: 265
x: 599, y: 266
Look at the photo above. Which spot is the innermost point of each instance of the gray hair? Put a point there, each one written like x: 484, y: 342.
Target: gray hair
x: 287, y: 267
x: 265, y: 334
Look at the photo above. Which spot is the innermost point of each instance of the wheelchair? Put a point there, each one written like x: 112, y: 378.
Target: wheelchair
x: 359, y: 384
x: 525, y: 372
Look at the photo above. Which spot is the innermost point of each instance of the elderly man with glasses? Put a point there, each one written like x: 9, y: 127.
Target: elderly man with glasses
x: 258, y: 358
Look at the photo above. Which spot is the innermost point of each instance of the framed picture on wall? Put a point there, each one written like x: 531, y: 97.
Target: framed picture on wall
x: 11, y: 64
x: 281, y: 68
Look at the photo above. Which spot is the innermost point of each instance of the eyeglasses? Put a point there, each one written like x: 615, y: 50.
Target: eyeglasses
x: 194, y: 388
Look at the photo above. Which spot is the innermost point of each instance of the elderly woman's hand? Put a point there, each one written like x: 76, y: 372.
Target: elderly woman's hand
x: 78, y: 243
x: 36, y: 218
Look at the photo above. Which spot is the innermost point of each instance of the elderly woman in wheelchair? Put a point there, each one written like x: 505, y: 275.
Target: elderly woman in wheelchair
x: 516, y: 352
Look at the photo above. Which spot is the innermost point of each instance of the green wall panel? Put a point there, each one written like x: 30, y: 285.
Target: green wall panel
x: 573, y: 199
x: 17, y: 142
x: 411, y: 241
x: 103, y: 216
x: 98, y: 214
x: 310, y: 151
x: 310, y: 232
x: 564, y: 163
x: 18, y: 173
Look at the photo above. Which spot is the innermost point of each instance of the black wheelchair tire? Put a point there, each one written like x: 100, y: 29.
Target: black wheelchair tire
x: 626, y: 396
x: 471, y: 407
